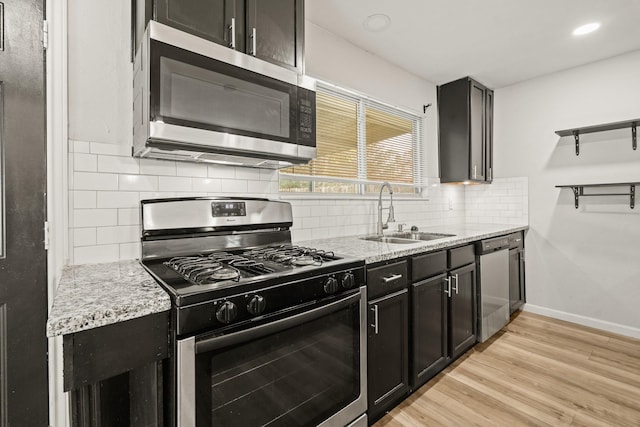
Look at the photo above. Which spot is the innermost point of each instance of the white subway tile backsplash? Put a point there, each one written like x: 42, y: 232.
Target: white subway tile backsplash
x: 94, y: 181
x: 220, y: 171
x: 122, y: 150
x: 114, y: 164
x: 212, y: 185
x: 79, y: 147
x: 94, y: 217
x: 138, y: 182
x: 157, y: 167
x: 84, y: 236
x: 174, y: 183
x: 233, y: 186
x: 247, y: 173
x: 129, y: 216
x: 191, y: 169
x: 129, y: 251
x: 96, y: 254
x: 85, y: 162
x: 118, y: 199
x: 83, y: 199
x: 120, y: 234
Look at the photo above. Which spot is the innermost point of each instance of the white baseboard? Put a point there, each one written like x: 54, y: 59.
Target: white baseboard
x: 585, y: 321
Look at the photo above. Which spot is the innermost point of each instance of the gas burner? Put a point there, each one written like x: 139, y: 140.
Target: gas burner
x: 304, y: 260
x: 225, y: 273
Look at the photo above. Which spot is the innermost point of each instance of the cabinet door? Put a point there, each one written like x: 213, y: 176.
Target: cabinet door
x: 462, y: 310
x: 516, y: 279
x: 488, y: 155
x: 387, y: 353
x: 477, y: 131
x: 209, y: 19
x: 429, y: 303
x: 275, y: 30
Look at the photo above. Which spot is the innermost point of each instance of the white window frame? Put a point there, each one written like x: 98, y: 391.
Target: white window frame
x: 419, y: 167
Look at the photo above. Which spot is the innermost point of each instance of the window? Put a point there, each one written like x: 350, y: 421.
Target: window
x: 360, y: 144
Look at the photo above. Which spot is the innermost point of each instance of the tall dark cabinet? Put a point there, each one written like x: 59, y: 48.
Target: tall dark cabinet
x: 388, y: 336
x: 272, y: 30
x: 465, y: 117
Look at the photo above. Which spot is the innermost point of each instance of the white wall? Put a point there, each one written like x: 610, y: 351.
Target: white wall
x: 582, y: 265
x: 106, y: 183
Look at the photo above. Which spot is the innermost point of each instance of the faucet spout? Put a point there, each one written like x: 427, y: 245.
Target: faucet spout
x: 391, y: 217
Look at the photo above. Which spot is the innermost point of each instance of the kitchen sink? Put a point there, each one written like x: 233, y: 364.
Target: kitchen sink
x: 389, y: 239
x: 408, y: 237
x: 421, y: 235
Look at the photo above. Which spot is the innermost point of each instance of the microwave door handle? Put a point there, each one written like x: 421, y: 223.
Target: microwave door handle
x: 246, y: 335
x: 253, y: 41
x: 232, y: 35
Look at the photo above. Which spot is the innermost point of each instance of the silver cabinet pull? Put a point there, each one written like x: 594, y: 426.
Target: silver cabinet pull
x: 447, y: 290
x: 392, y: 278
x: 475, y: 167
x: 490, y: 173
x: 455, y: 276
x: 375, y: 318
x: 232, y: 31
x: 253, y: 41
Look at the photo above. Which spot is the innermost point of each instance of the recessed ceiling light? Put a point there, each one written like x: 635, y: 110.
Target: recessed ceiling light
x: 586, y: 29
x: 377, y: 22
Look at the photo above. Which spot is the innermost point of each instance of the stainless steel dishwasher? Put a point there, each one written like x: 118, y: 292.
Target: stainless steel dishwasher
x: 493, y: 286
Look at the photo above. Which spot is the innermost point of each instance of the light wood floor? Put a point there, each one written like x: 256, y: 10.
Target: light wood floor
x: 537, y: 371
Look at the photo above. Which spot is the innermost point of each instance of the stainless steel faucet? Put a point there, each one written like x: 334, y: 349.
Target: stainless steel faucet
x: 391, y: 217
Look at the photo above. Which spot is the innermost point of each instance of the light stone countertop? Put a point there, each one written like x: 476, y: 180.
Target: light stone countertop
x: 94, y: 295
x: 375, y: 251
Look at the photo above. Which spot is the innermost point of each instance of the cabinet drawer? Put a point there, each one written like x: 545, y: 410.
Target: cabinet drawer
x: 461, y: 256
x: 428, y: 265
x: 516, y: 240
x: 386, y: 278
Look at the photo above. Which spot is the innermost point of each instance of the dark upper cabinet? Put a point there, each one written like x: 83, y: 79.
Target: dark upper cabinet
x: 387, y: 353
x: 465, y: 117
x: 275, y: 30
x: 272, y: 30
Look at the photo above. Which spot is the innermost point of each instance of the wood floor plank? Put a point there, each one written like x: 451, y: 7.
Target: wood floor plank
x: 536, y: 371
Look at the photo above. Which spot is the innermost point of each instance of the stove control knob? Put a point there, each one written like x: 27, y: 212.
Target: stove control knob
x: 256, y: 305
x: 348, y: 281
x: 227, y: 312
x: 331, y: 285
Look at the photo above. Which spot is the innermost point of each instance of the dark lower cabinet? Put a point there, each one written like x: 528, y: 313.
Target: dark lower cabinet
x: 388, y: 347
x: 462, y: 309
x: 430, y: 328
x: 517, y: 296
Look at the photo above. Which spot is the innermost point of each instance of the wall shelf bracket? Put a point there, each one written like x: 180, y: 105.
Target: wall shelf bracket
x: 576, y: 132
x: 576, y: 137
x: 578, y: 191
x: 634, y: 136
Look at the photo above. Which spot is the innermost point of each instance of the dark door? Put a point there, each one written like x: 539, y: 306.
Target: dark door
x: 429, y: 302
x: 272, y: 30
x: 214, y: 20
x: 387, y: 355
x: 477, y: 131
x: 462, y: 319
x: 23, y: 285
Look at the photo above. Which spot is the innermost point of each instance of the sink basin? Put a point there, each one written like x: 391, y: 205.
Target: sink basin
x: 421, y: 235
x: 389, y: 239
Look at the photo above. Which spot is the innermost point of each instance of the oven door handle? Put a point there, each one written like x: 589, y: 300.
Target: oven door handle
x: 211, y: 344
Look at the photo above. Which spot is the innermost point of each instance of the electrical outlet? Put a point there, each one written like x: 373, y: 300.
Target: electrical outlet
x: 450, y: 204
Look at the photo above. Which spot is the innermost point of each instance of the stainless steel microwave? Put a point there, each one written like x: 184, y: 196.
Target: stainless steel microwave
x: 195, y: 100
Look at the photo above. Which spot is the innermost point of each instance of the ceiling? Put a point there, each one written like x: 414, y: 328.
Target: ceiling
x: 498, y: 42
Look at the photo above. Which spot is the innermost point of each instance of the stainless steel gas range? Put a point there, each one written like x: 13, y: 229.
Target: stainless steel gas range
x: 265, y: 333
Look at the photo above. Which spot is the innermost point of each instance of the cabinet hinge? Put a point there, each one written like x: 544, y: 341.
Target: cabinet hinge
x: 46, y: 235
x: 45, y: 34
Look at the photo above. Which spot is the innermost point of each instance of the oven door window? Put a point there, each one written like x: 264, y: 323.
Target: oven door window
x: 296, y: 376
x: 196, y: 91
